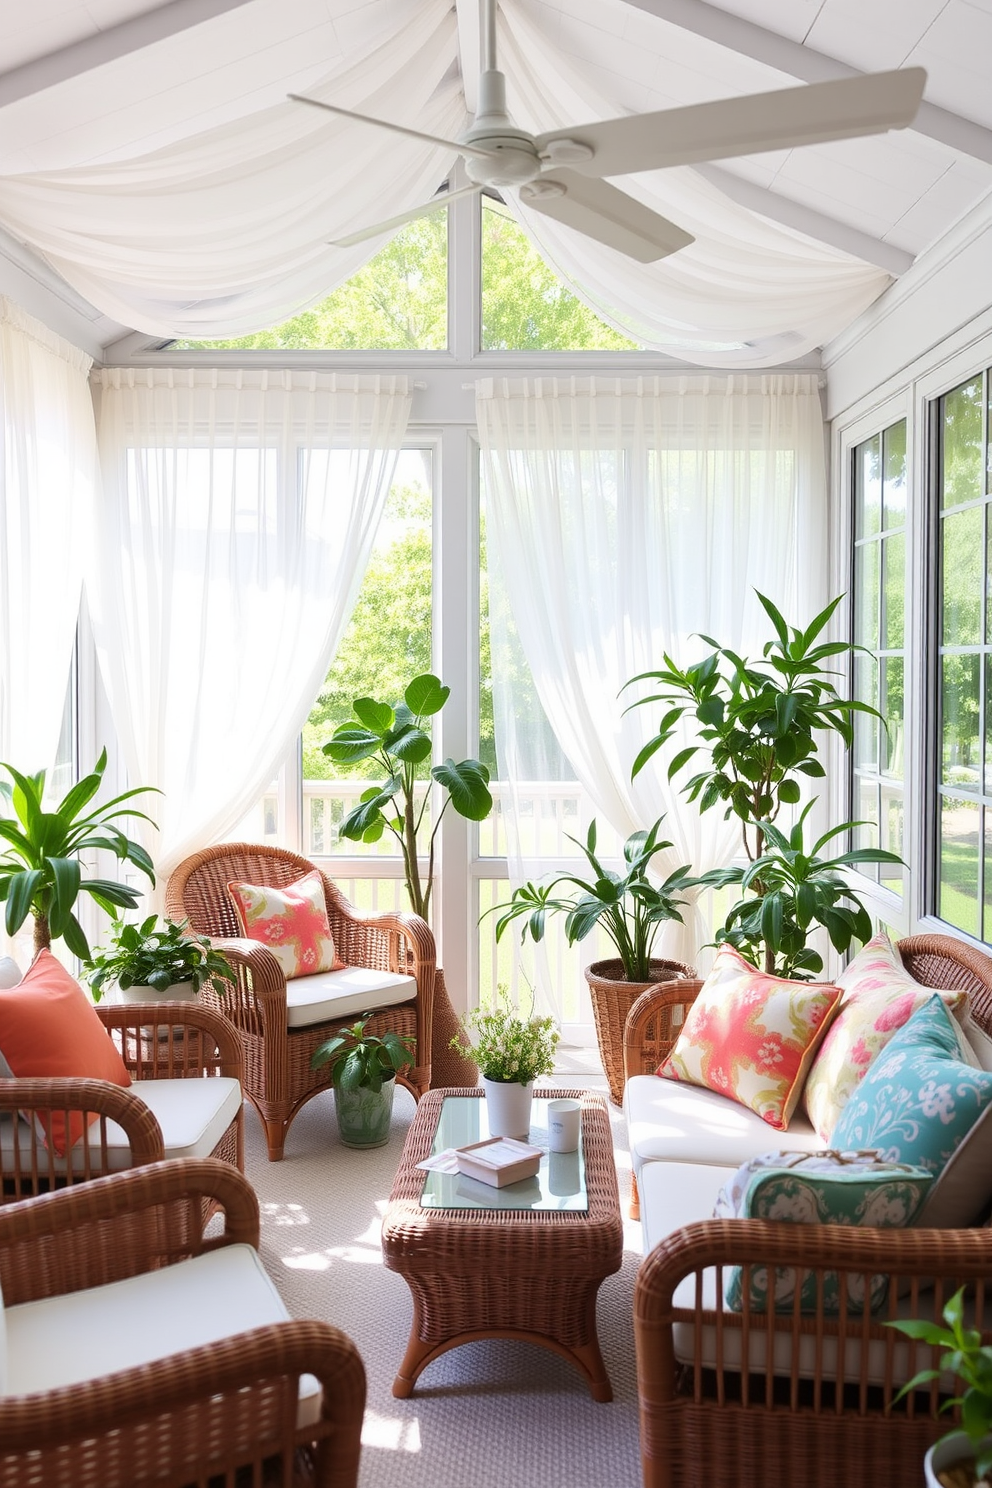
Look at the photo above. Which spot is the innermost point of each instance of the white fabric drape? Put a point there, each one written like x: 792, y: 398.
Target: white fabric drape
x: 227, y: 232
x: 238, y: 513
x: 47, y: 470
x: 625, y: 517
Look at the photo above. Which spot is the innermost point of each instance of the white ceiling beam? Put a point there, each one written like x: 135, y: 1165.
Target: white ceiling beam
x: 807, y: 220
x: 107, y: 46
x: 469, y: 50
x: 798, y: 61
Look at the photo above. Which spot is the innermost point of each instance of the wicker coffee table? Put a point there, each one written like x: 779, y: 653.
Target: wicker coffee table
x: 524, y: 1273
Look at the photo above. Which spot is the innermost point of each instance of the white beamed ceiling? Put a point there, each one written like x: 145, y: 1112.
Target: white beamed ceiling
x: 904, y: 190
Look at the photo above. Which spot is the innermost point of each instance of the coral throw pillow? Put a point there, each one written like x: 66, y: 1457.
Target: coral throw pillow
x: 48, y: 1026
x: 879, y: 997
x: 291, y: 922
x: 752, y: 1036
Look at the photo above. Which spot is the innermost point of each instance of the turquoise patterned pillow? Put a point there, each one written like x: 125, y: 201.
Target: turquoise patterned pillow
x: 843, y: 1188
x: 918, y: 1101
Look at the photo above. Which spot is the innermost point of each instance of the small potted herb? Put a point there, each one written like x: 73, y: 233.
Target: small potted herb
x: 157, y: 960
x: 363, y: 1068
x: 511, y: 1051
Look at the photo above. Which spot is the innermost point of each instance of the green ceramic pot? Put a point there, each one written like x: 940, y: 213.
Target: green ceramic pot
x: 364, y: 1115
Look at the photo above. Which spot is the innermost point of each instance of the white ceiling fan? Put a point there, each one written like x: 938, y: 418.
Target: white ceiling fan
x: 561, y: 173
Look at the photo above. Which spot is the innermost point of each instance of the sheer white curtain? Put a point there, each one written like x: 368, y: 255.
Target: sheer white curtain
x: 625, y: 516
x: 238, y: 514
x: 47, y: 470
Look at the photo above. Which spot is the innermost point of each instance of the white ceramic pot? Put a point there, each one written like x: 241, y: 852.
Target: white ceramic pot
x: 951, y: 1449
x: 508, y: 1107
x: 177, y: 992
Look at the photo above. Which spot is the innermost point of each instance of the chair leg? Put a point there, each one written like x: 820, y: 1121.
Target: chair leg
x: 275, y: 1137
x: 635, y: 1199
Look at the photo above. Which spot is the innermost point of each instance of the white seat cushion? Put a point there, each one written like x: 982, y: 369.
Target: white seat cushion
x: 329, y: 995
x: 84, y: 1335
x: 668, y: 1121
x: 193, y: 1114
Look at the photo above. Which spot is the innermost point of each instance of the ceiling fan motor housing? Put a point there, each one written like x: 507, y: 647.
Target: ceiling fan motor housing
x: 518, y: 158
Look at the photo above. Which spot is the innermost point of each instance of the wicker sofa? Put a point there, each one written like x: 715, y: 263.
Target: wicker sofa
x: 816, y: 1402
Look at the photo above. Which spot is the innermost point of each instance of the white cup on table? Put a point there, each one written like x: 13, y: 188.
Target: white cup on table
x: 563, y: 1124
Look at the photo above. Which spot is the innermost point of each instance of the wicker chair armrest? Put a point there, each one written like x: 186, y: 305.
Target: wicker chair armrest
x: 258, y: 1004
x: 157, y: 1026
x: 121, y: 1225
x: 108, y: 1102
x: 227, y: 1390
x: 654, y: 1023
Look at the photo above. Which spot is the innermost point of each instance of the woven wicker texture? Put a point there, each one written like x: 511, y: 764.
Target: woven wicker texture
x: 612, y: 999
x: 488, y: 1273
x: 278, y: 1079
x: 447, y: 1067
x: 223, y: 1414
x: 770, y: 1425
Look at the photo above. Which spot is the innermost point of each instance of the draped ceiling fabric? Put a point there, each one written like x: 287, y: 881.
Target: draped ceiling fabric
x: 625, y: 517
x: 227, y: 232
x: 238, y: 513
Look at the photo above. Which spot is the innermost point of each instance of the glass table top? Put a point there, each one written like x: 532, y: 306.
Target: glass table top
x: 560, y: 1183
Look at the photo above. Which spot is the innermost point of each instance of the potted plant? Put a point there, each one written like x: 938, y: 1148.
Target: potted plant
x: 631, y: 910
x: 511, y: 1051
x: 40, y: 871
x: 157, y: 960
x: 363, y: 1073
x: 961, y: 1458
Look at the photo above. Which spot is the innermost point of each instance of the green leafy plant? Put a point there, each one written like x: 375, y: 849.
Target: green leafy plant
x: 966, y: 1357
x: 157, y: 954
x: 40, y: 871
x: 789, y: 891
x: 628, y: 906
x: 398, y: 738
x: 506, y: 1045
x: 363, y: 1060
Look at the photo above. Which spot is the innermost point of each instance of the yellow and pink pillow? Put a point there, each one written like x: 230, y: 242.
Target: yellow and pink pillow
x: 291, y: 922
x: 752, y: 1037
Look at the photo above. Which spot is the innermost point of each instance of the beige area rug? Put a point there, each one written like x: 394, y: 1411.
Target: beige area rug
x: 494, y: 1414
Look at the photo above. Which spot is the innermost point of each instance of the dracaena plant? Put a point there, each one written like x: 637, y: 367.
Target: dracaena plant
x: 397, y: 737
x: 40, y: 869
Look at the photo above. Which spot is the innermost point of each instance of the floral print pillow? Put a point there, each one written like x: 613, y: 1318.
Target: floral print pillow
x: 751, y: 1036
x: 291, y: 922
x: 918, y: 1101
x: 879, y: 998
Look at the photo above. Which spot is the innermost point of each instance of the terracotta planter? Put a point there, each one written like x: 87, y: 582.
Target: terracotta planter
x: 612, y: 999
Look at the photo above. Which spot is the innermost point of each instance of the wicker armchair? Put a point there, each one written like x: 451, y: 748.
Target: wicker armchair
x: 817, y: 1399
x: 277, y: 1076
x: 223, y: 1412
x: 167, y: 1041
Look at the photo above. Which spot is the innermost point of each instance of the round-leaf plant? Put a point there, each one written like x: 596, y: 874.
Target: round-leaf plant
x: 363, y: 1060
x: 157, y: 955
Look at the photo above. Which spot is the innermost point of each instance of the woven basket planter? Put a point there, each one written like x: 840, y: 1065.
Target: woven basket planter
x: 612, y: 999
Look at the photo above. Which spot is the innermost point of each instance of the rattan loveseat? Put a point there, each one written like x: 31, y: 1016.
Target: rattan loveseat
x: 816, y: 1403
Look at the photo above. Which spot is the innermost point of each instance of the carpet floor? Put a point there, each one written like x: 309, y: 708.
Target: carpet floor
x: 492, y: 1414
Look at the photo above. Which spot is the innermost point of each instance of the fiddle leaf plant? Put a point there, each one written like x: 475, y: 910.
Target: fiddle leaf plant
x: 398, y: 739
x: 40, y: 869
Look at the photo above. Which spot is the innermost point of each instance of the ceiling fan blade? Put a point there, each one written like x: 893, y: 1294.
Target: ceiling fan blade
x: 378, y: 228
x: 432, y: 139
x: 841, y: 109
x: 606, y: 214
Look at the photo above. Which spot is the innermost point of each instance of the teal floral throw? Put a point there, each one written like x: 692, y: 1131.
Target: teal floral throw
x: 917, y: 1102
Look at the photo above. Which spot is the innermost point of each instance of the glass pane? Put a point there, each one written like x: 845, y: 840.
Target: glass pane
x: 893, y: 592
x: 959, y: 722
x: 387, y: 642
x: 866, y: 834
x: 986, y: 930
x: 867, y: 562
x: 892, y: 826
x: 894, y: 475
x: 868, y: 487
x: 892, y: 707
x: 524, y: 306
x: 961, y: 426
x: 866, y: 727
x: 397, y: 302
x: 958, y: 895
x: 963, y: 549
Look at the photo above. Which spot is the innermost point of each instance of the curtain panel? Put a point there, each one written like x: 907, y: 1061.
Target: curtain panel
x: 625, y: 517
x: 238, y: 514
x: 47, y: 473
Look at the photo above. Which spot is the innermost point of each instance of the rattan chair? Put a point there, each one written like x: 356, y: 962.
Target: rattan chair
x: 818, y: 1401
x: 277, y: 1074
x: 224, y: 1413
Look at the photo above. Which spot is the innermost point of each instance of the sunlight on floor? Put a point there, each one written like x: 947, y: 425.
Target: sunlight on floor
x: 285, y: 1214
x: 393, y: 1435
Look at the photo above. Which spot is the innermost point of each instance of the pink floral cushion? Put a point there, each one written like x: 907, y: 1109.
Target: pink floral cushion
x: 752, y: 1036
x: 878, y: 997
x: 292, y: 922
